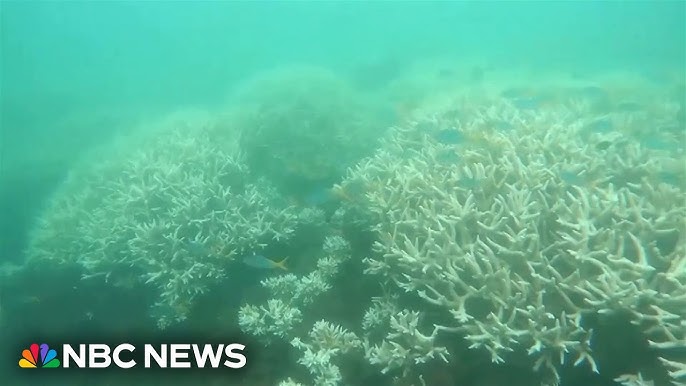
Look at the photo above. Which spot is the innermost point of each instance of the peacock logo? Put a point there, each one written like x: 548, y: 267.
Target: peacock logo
x: 30, y: 357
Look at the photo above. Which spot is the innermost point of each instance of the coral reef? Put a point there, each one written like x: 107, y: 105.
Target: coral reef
x: 169, y: 212
x: 522, y: 230
x: 511, y: 225
x: 512, y: 230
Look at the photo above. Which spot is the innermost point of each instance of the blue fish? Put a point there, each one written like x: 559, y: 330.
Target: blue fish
x: 259, y: 261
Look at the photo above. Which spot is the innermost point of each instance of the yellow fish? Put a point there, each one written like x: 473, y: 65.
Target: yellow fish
x: 259, y: 261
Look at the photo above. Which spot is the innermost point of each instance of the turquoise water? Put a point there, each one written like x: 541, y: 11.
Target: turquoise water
x: 172, y: 120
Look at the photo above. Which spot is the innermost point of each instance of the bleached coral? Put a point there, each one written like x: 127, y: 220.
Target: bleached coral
x: 324, y: 342
x: 378, y: 316
x: 523, y: 228
x: 676, y: 370
x: 302, y: 291
x: 168, y: 211
x: 514, y: 225
x: 634, y: 380
x: 290, y: 294
x: 276, y: 319
x: 290, y: 382
x: 404, y: 345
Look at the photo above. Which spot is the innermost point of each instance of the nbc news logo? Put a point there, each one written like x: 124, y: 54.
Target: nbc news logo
x: 39, y: 356
x: 175, y: 356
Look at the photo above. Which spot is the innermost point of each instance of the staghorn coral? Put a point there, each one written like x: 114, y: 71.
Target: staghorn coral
x: 324, y: 342
x: 282, y: 318
x: 525, y: 228
x: 404, y: 346
x: 290, y: 382
x: 634, y: 380
x: 276, y: 319
x: 169, y: 212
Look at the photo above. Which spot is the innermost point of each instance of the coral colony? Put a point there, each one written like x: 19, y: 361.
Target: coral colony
x: 508, y: 229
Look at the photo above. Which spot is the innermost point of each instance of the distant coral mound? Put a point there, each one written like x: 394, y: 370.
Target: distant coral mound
x: 304, y: 125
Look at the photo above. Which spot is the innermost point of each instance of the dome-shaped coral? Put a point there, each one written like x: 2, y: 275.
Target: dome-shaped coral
x: 304, y: 126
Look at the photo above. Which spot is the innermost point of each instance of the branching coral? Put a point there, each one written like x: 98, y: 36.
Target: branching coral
x: 169, y: 212
x: 404, y: 345
x: 276, y: 319
x: 634, y: 380
x: 282, y: 319
x: 520, y: 228
x: 324, y: 342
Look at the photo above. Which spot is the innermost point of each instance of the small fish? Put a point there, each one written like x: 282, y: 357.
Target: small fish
x: 603, y: 145
x: 259, y: 261
x: 449, y: 137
